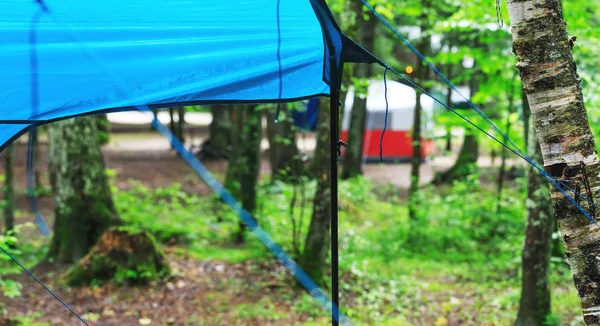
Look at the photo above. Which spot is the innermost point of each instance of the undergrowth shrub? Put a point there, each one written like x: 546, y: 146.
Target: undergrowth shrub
x: 169, y: 213
x: 10, y: 243
x: 459, y: 223
x: 463, y: 223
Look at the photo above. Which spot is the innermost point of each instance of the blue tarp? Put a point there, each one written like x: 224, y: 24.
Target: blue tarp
x: 61, y: 62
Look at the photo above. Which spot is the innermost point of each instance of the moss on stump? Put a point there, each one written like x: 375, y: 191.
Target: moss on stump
x: 122, y: 255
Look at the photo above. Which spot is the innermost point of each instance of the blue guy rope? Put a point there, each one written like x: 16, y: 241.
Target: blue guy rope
x: 312, y: 288
x: 279, y: 62
x: 387, y: 107
x: 516, y: 150
x: 33, y: 204
x: 35, y: 101
x: 555, y: 182
x: 40, y: 222
x: 252, y: 224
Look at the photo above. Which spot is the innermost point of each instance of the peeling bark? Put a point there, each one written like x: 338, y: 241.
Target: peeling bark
x: 550, y: 80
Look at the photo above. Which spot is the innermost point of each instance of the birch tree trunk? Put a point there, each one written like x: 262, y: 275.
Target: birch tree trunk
x: 550, y: 80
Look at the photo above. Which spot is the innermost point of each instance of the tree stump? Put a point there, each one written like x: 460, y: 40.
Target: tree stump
x: 122, y: 255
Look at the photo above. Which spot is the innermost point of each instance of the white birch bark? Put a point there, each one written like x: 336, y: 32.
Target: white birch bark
x: 550, y: 80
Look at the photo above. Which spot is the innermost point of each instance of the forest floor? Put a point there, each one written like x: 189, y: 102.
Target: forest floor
x: 217, y: 283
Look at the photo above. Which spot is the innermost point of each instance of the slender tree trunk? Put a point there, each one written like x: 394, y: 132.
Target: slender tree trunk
x: 181, y: 123
x: 37, y: 173
x: 220, y: 140
x: 550, y: 80
x: 448, y: 140
x: 421, y: 74
x: 283, y: 150
x: 172, y: 120
x: 416, y: 159
x: 358, y: 119
x: 244, y: 165
x: 83, y: 205
x: 465, y: 163
x: 502, y: 170
x: 469, y: 152
x: 449, y: 103
x: 534, y: 306
x: 9, y: 188
x: 316, y: 247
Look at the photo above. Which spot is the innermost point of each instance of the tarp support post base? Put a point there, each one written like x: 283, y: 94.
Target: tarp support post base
x: 334, y: 136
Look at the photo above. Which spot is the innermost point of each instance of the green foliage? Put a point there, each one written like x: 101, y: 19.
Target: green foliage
x: 464, y: 259
x: 29, y: 320
x: 457, y: 229
x: 462, y: 224
x: 103, y: 127
x: 10, y: 242
x: 141, y: 275
x: 166, y: 213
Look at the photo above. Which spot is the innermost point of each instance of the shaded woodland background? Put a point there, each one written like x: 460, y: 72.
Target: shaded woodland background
x: 139, y: 239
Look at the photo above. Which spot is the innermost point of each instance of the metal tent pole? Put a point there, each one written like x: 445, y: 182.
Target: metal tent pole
x: 334, y: 137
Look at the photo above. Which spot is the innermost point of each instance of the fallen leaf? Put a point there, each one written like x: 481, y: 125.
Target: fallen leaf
x: 107, y: 312
x: 441, y: 321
